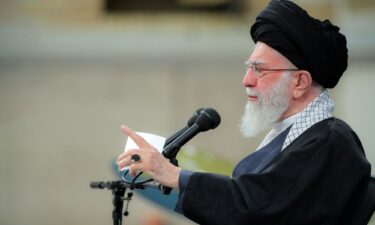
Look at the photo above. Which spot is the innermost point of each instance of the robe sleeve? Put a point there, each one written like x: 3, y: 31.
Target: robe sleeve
x: 182, y: 182
x: 313, y: 181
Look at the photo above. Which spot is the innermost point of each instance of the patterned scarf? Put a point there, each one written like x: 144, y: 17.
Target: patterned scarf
x: 319, y: 109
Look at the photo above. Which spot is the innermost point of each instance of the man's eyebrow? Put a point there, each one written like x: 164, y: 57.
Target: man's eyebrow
x: 253, y: 62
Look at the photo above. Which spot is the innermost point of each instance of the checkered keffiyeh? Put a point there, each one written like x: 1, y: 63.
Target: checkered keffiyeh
x: 319, y: 109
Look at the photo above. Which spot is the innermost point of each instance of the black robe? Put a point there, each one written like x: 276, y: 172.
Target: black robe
x: 319, y: 179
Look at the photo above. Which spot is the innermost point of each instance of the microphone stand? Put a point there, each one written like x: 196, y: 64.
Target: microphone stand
x: 118, y: 192
x: 119, y: 187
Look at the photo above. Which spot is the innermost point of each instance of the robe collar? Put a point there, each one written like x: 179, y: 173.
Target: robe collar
x: 277, y: 129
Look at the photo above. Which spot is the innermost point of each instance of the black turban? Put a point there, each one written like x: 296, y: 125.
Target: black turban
x: 310, y: 44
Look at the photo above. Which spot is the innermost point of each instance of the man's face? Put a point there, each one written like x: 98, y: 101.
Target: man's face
x: 268, y: 91
x: 264, y: 57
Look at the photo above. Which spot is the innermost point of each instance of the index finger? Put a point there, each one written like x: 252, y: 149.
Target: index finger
x: 138, y: 139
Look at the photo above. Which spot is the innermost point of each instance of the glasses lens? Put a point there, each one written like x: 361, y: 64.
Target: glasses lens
x: 256, y: 70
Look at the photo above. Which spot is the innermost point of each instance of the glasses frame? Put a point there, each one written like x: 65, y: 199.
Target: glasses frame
x: 259, y: 71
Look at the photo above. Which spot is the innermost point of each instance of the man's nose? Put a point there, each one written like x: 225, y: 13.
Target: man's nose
x: 249, y: 79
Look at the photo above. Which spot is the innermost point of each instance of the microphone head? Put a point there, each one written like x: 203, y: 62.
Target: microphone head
x: 194, y: 117
x: 208, y: 119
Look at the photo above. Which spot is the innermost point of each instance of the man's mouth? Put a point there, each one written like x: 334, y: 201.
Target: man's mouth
x: 252, y: 97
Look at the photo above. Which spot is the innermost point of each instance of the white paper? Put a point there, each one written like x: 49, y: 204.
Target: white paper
x: 153, y: 139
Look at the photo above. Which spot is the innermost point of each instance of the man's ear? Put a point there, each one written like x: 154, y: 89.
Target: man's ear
x: 302, y: 81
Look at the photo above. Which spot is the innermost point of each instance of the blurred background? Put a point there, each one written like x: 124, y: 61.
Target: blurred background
x: 72, y: 71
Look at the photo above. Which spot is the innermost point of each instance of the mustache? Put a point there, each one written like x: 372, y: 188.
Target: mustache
x: 252, y: 92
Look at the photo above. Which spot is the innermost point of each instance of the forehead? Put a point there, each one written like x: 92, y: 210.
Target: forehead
x: 264, y: 54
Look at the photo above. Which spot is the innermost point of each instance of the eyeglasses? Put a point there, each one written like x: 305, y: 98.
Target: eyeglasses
x: 259, y: 71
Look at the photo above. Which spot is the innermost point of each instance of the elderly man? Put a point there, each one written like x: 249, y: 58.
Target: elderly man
x: 311, y: 167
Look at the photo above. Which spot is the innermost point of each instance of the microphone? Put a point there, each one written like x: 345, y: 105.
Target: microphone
x: 202, y: 120
x: 207, y: 119
x: 189, y: 123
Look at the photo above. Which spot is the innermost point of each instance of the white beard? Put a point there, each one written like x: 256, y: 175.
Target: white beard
x: 263, y: 113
